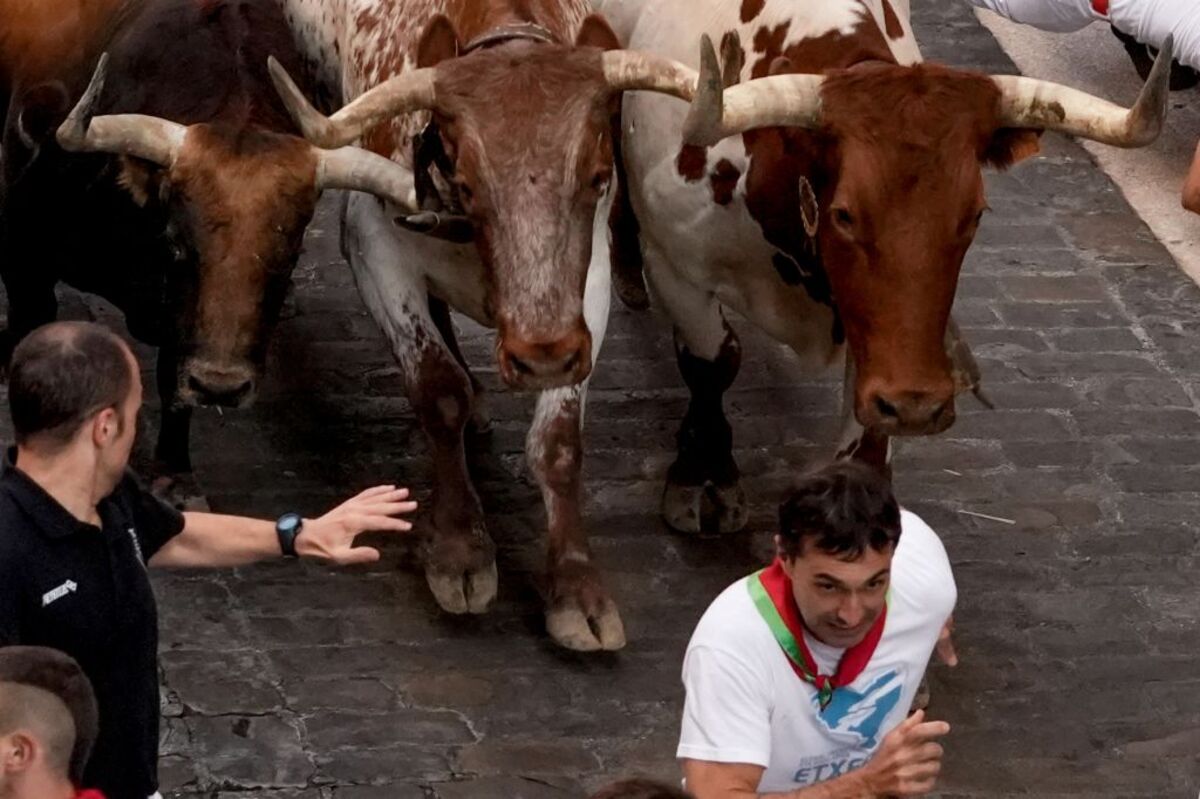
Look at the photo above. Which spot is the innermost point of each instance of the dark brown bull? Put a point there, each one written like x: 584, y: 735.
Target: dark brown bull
x: 190, y: 215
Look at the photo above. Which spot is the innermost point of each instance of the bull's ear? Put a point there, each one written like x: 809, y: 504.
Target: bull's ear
x: 1010, y: 146
x: 43, y: 108
x: 438, y: 43
x: 140, y: 178
x: 595, y: 32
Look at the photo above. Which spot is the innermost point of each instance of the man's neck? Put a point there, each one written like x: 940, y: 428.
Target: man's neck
x: 69, y: 477
x: 43, y: 786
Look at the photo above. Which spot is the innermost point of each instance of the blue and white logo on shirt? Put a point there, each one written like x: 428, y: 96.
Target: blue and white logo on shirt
x: 857, y: 717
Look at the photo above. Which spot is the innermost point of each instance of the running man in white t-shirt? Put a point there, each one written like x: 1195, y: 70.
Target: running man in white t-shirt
x: 799, y: 678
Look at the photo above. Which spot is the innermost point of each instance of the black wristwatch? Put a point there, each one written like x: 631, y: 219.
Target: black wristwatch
x: 287, y: 527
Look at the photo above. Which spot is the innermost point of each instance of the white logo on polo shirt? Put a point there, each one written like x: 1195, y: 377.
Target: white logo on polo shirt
x: 58, y: 593
x: 137, y: 545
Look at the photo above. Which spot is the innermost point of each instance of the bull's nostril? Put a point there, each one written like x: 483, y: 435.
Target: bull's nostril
x: 241, y: 391
x: 886, y: 409
x: 519, y: 365
x: 570, y: 363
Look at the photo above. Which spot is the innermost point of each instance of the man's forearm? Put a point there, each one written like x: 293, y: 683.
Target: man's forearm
x: 212, y: 539
x: 847, y: 786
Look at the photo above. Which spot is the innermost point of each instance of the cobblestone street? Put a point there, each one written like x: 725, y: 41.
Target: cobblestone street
x: 1078, y: 623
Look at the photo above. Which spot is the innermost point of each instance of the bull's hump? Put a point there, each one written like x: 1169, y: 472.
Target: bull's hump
x: 823, y: 34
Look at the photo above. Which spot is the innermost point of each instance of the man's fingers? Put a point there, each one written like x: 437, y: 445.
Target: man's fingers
x: 377, y: 491
x: 389, y: 508
x: 945, y: 649
x: 930, y: 752
x: 355, y: 555
x: 929, y: 730
x: 911, y: 721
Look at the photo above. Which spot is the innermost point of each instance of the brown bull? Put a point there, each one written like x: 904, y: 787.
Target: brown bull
x: 190, y: 212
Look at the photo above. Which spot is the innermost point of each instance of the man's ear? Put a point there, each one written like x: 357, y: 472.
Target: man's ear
x: 105, y: 426
x: 17, y: 753
x: 438, y: 43
x: 595, y: 32
x: 1010, y: 146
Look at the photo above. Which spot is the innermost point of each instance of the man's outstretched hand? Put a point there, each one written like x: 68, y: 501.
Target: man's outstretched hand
x: 331, y: 537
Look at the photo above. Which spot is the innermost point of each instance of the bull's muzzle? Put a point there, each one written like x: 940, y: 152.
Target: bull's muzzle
x: 533, y: 363
x: 203, y: 382
x: 902, y: 411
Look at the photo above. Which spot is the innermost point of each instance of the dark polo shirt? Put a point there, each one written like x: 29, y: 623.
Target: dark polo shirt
x: 84, y: 590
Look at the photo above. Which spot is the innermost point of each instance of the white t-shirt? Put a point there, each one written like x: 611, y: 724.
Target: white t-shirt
x: 745, y: 704
x: 1148, y: 21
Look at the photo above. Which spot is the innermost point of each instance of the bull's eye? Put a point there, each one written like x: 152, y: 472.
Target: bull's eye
x: 600, y: 181
x: 843, y: 218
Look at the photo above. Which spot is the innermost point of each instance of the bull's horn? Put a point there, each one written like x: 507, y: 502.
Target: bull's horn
x: 362, y: 170
x: 406, y: 92
x: 629, y: 70
x: 777, y: 100
x: 1029, y: 103
x: 147, y: 137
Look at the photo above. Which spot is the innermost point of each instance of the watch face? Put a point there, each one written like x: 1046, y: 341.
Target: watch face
x: 288, y: 522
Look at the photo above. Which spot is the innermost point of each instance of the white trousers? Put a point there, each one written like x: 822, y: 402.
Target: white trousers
x: 1148, y: 21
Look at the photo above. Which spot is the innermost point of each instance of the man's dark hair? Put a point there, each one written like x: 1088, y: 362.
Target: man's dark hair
x: 61, y: 374
x: 58, y: 675
x: 842, y: 509
x: 639, y: 789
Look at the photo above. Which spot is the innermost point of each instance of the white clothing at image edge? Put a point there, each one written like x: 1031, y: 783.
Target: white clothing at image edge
x: 1148, y: 21
x: 745, y: 703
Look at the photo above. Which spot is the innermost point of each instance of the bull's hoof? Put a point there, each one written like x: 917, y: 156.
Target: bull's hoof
x: 470, y: 591
x: 180, y: 491
x: 580, y: 616
x: 573, y: 629
x: 706, y: 508
x: 460, y: 565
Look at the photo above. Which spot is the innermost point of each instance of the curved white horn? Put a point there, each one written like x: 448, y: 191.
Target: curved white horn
x: 1029, y: 103
x: 629, y: 70
x: 147, y: 137
x: 408, y: 91
x: 777, y: 100
x: 362, y: 170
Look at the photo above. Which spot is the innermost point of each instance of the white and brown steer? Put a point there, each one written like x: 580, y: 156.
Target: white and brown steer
x: 828, y: 191
x: 522, y: 95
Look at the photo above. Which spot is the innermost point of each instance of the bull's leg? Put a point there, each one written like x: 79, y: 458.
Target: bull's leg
x: 703, y: 490
x: 855, y: 441
x: 480, y: 421
x: 580, y: 615
x: 172, y: 479
x: 460, y: 558
x: 172, y: 452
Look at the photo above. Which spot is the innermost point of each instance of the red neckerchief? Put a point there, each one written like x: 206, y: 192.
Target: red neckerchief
x: 1101, y: 7
x: 90, y: 793
x: 771, y: 590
